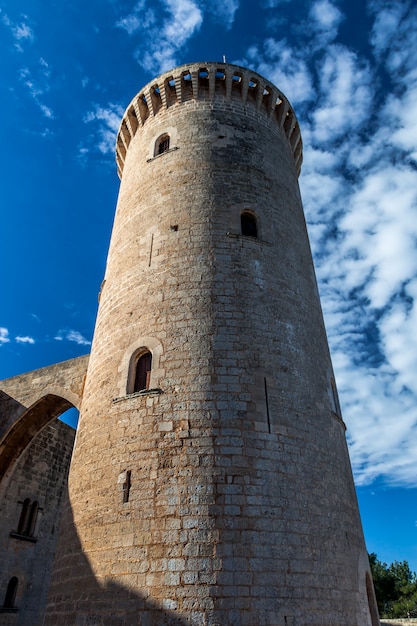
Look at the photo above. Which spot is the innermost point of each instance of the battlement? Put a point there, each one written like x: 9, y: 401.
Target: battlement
x: 208, y: 81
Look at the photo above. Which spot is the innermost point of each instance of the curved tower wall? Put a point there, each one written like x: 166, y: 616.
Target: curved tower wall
x: 223, y: 494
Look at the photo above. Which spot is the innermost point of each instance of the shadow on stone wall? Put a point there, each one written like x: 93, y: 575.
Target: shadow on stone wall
x: 77, y: 598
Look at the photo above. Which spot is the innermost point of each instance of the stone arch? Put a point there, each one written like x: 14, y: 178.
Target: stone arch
x: 29, y: 424
x: 29, y: 402
x: 35, y: 454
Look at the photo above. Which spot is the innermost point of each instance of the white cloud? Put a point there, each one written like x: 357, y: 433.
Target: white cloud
x: 325, y: 14
x: 141, y: 18
x: 21, y: 31
x: 285, y: 67
x: 38, y: 87
x: 388, y: 18
x: 345, y: 94
x: 324, y: 20
x: 25, y: 339
x: 359, y: 187
x: 4, y: 335
x: 72, y: 335
x: 224, y: 11
x: 107, y: 121
x: 165, y: 32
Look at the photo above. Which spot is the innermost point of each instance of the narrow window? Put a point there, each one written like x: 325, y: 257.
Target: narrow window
x: 126, y: 487
x: 10, y: 598
x: 31, y: 523
x: 161, y: 145
x: 24, y: 516
x: 28, y: 517
x: 248, y: 225
x: 267, y: 405
x: 143, y: 372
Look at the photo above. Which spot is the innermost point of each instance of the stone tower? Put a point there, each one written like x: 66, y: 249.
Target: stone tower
x: 210, y: 482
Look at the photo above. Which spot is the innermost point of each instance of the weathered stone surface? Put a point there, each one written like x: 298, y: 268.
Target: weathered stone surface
x: 241, y: 507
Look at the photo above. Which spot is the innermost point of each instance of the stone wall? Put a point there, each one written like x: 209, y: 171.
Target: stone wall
x: 37, y: 485
x: 35, y: 453
x: 30, y: 401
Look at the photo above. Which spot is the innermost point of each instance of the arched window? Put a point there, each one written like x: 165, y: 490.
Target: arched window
x: 143, y: 372
x: 10, y: 597
x: 248, y: 225
x: 162, y: 144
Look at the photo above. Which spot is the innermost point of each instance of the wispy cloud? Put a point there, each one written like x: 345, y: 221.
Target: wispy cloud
x: 324, y: 21
x: 72, y: 335
x: 106, y: 121
x: 21, y: 31
x: 4, y: 335
x: 284, y: 66
x: 25, y: 339
x: 142, y: 18
x: 163, y: 33
x: 37, y: 87
x: 359, y: 187
x: 224, y: 11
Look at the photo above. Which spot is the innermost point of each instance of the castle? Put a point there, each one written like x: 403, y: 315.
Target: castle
x: 210, y: 483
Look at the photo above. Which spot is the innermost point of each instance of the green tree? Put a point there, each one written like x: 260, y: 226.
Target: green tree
x: 395, y: 588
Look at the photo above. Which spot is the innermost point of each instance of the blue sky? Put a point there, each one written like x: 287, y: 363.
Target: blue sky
x: 69, y: 69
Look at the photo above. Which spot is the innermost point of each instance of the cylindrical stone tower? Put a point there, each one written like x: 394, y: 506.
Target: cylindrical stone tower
x: 210, y: 482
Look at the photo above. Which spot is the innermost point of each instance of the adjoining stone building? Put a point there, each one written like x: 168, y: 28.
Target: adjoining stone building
x: 210, y: 482
x: 35, y: 455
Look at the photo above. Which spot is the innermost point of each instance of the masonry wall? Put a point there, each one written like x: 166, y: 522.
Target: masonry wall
x: 241, y: 508
x: 40, y: 475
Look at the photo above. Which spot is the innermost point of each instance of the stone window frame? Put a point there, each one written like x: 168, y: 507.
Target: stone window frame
x: 236, y: 225
x: 167, y: 132
x: 127, y: 368
x: 162, y: 144
x: 139, y: 380
x: 30, y: 515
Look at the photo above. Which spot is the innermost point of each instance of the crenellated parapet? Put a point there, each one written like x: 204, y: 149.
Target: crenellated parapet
x: 208, y: 81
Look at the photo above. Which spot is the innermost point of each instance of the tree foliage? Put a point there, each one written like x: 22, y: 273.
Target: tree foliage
x: 395, y: 588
